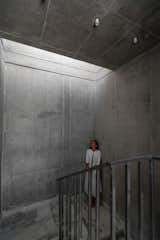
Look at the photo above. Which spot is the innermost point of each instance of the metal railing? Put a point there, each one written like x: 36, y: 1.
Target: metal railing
x: 75, y: 201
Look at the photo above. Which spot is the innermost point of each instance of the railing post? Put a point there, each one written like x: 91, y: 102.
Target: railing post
x: 70, y: 209
x: 75, y: 208
x: 66, y: 208
x: 140, y: 201
x: 97, y: 237
x: 113, y: 204
x: 60, y: 210
x: 69, y: 229
x: 128, y: 200
x: 80, y: 206
x: 152, y: 197
x: 90, y: 204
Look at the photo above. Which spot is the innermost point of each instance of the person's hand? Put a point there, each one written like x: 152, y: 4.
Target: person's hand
x: 87, y: 166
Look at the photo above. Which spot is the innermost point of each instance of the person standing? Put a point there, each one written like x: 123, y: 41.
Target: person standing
x: 93, y: 158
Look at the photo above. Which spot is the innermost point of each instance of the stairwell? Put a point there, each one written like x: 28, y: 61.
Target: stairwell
x: 78, y: 219
x: 71, y: 210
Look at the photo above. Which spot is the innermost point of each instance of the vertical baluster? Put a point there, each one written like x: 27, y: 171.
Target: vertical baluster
x: 152, y: 202
x: 113, y: 204
x: 66, y: 208
x: 128, y: 200
x: 70, y: 208
x: 140, y: 201
x: 90, y: 204
x: 97, y: 213
x: 62, y: 190
x: 60, y: 210
x: 80, y: 206
x: 75, y: 208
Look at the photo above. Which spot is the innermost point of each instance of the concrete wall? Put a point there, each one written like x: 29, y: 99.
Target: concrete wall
x: 155, y: 74
x: 48, y: 120
x: 124, y: 106
x: 127, y: 116
x: 49, y: 117
x: 127, y: 124
x: 1, y: 120
x: 155, y: 146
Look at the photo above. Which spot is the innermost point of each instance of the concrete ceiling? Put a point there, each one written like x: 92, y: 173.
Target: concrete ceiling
x: 65, y: 27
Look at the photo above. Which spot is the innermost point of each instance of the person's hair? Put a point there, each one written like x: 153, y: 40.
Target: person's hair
x: 96, y: 142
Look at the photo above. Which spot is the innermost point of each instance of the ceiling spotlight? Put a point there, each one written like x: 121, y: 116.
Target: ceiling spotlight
x: 135, y: 40
x: 96, y: 22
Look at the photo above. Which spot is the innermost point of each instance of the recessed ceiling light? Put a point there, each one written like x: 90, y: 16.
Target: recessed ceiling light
x: 135, y: 40
x: 96, y: 22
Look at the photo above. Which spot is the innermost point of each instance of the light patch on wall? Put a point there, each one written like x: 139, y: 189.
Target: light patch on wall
x: 61, y: 63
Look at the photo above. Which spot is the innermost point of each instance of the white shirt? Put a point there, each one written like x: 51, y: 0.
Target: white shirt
x: 93, y: 158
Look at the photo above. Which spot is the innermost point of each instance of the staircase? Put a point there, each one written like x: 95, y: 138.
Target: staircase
x: 69, y: 216
x: 104, y: 227
x: 79, y: 220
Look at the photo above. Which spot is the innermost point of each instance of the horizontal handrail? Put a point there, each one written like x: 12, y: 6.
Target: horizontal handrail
x: 81, y: 193
x: 106, y: 164
x: 156, y: 158
x: 132, y: 159
x: 110, y: 164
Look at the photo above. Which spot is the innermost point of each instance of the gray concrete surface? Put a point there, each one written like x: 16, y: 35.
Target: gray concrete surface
x: 36, y: 222
x: 1, y: 125
x: 68, y: 28
x: 49, y: 116
x: 127, y: 124
x: 48, y: 121
x: 123, y: 124
x: 155, y: 121
x: 40, y: 222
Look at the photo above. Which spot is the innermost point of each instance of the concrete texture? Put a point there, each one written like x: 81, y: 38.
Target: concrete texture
x: 1, y: 125
x: 104, y: 223
x: 36, y: 222
x: 155, y: 73
x: 49, y: 118
x: 127, y: 124
x: 49, y: 115
x: 40, y: 222
x: 123, y: 116
x: 155, y: 141
x: 67, y: 28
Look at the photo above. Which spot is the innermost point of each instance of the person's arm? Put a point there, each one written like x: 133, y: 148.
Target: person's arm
x: 98, y: 162
x: 87, y: 159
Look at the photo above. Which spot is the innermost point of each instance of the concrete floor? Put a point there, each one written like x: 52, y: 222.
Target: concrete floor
x: 40, y: 222
x: 36, y: 222
x: 104, y: 224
